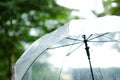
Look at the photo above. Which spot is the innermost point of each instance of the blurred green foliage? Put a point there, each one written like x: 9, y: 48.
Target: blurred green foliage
x: 19, y: 19
x: 112, y: 7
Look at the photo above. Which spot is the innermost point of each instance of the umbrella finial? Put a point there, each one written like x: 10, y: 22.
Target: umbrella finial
x: 86, y: 46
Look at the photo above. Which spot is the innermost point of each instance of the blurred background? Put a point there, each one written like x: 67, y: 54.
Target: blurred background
x: 24, y: 21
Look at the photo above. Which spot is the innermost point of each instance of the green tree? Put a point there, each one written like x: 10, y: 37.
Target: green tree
x: 19, y: 19
x: 111, y: 7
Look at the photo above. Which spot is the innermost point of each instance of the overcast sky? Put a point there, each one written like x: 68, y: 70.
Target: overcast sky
x: 84, y: 6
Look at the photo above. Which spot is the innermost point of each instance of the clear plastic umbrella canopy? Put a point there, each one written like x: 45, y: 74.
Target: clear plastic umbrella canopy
x: 85, y: 49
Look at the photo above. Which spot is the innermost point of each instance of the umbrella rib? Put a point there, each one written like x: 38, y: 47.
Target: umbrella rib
x: 73, y: 50
x: 112, y: 39
x: 64, y: 61
x: 89, y: 36
x: 99, y: 36
x: 64, y: 45
x: 105, y: 41
x: 61, y: 68
x: 74, y: 39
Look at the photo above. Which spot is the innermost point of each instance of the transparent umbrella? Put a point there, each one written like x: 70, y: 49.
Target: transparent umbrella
x: 60, y: 55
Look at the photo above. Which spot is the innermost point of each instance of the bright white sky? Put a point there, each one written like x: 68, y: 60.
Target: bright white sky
x: 84, y: 6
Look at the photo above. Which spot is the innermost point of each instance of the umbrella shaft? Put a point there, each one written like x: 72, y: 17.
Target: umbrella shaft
x: 86, y: 47
x: 91, y: 69
x: 88, y: 55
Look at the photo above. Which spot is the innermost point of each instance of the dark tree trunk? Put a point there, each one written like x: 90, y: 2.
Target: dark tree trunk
x: 11, y: 62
